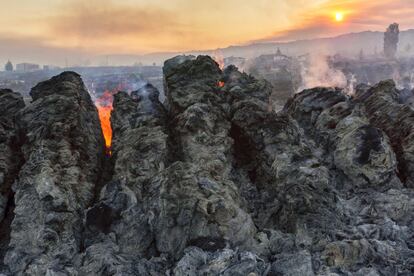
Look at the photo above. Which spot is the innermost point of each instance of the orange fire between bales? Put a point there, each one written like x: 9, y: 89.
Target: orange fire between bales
x: 104, y: 105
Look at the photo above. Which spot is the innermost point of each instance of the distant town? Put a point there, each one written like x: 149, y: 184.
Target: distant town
x: 27, y: 67
x: 23, y: 76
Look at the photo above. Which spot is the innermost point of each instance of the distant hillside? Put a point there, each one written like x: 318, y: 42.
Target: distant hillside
x: 347, y: 44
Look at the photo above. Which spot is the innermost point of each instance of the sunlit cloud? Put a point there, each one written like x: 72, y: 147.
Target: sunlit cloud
x: 357, y: 16
x: 100, y: 27
x: 138, y: 26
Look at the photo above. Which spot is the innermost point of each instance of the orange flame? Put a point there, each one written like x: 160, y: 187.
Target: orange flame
x: 104, y: 105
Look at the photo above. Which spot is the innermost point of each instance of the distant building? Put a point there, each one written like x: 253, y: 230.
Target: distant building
x: 8, y: 67
x: 50, y: 67
x: 27, y: 67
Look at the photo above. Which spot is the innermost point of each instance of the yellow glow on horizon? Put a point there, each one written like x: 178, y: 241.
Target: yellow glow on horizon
x: 102, y: 27
x: 339, y: 16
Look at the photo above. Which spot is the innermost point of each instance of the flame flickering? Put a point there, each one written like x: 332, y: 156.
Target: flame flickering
x: 104, y: 105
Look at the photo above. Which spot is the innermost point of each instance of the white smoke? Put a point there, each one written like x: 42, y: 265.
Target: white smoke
x: 136, y: 85
x: 316, y: 72
x: 145, y: 104
x: 142, y: 94
x: 350, y: 88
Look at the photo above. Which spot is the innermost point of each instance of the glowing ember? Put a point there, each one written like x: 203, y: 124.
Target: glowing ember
x: 104, y: 105
x: 220, y: 84
x: 218, y: 57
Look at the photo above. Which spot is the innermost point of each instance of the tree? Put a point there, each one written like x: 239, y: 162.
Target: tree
x: 391, y: 39
x: 8, y: 67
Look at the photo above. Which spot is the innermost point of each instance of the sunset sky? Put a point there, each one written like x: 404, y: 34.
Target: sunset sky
x: 70, y: 27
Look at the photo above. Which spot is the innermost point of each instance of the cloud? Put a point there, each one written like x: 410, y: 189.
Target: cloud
x: 101, y: 27
x: 92, y: 19
x: 108, y: 26
x: 33, y: 49
x: 359, y: 16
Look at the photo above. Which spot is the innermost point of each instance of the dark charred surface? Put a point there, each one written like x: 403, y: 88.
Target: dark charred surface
x: 371, y: 141
x: 11, y: 160
x: 208, y: 244
x: 62, y: 153
x: 100, y: 218
x: 214, y: 183
x: 244, y: 152
x: 396, y: 120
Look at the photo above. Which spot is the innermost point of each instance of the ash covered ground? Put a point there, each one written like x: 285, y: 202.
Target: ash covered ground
x: 220, y: 173
x: 213, y: 182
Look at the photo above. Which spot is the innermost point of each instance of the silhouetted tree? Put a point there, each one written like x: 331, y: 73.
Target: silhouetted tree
x: 391, y: 39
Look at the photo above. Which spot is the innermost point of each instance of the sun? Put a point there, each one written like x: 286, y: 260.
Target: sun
x: 339, y: 16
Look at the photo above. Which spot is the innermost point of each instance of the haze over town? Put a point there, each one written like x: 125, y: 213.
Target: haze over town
x: 75, y: 32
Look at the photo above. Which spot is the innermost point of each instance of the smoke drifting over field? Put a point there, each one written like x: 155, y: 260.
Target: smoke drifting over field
x: 316, y: 72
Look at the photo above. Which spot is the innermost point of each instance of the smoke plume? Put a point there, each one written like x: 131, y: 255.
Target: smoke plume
x: 316, y: 72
